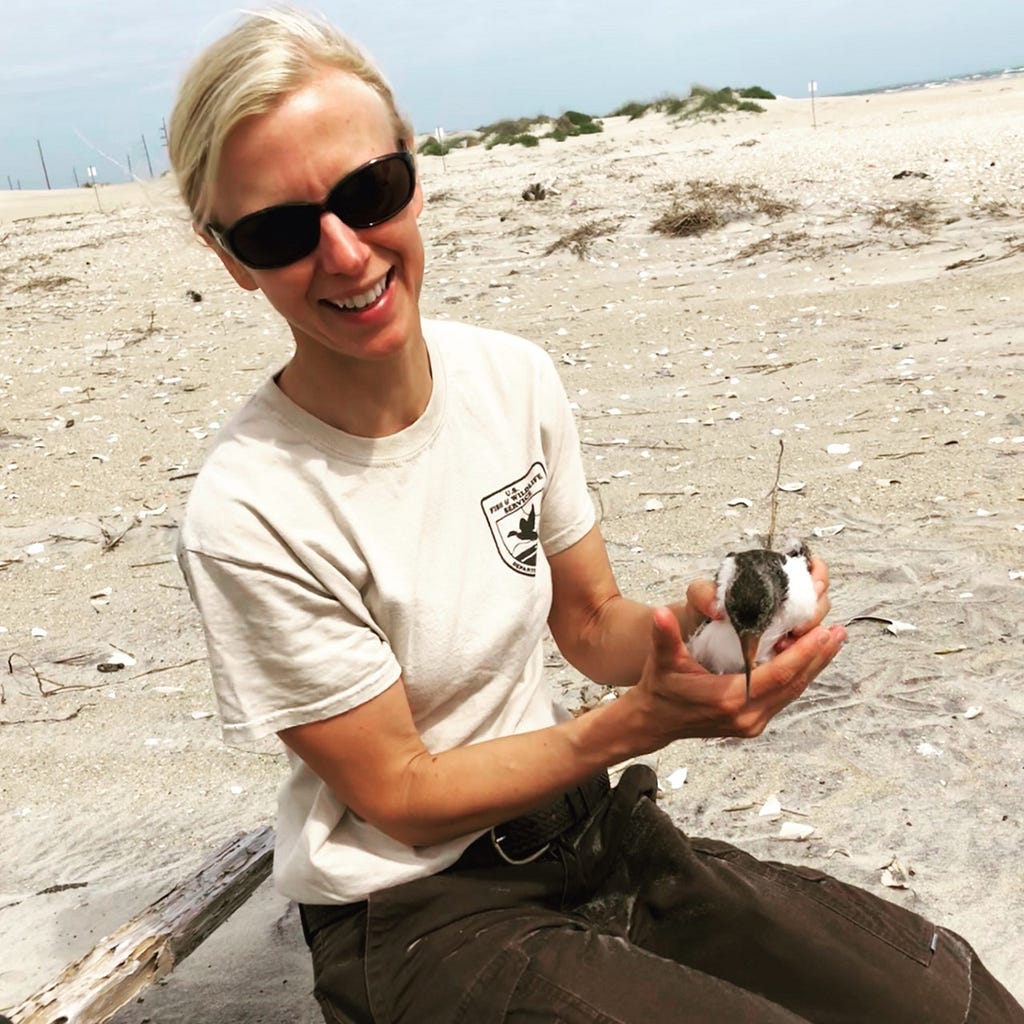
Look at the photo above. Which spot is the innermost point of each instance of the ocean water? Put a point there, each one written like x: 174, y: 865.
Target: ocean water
x: 939, y: 83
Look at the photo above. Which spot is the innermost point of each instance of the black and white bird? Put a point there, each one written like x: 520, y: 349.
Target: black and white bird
x: 765, y: 595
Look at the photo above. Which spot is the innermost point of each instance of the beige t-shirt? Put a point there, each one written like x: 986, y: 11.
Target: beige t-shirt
x: 324, y: 566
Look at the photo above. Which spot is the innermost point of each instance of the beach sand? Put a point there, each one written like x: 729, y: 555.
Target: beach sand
x: 874, y: 323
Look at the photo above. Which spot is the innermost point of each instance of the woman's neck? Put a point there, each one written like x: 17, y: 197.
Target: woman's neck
x: 360, y: 397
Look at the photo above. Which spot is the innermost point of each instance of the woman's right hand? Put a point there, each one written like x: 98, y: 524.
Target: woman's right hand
x: 676, y: 698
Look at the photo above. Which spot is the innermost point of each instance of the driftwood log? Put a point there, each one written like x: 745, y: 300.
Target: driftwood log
x: 152, y: 944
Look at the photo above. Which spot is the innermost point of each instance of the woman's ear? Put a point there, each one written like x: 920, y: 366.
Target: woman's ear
x: 239, y: 271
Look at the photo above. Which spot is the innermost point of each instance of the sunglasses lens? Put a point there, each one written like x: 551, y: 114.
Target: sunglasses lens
x: 276, y: 237
x: 375, y: 193
x: 283, y: 234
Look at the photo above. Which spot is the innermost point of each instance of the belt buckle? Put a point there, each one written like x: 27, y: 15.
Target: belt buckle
x: 497, y: 840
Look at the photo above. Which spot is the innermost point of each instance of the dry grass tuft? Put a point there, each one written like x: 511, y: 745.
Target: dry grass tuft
x: 920, y: 214
x: 683, y: 219
x: 46, y: 283
x: 785, y: 242
x: 580, y: 240
x: 708, y: 205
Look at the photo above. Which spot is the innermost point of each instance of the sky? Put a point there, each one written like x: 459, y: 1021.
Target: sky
x: 90, y: 84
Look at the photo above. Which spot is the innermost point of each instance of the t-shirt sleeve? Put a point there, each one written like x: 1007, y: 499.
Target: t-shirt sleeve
x: 283, y: 651
x: 567, y: 513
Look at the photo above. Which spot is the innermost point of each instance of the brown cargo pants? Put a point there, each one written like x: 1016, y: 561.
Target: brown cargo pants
x: 625, y: 920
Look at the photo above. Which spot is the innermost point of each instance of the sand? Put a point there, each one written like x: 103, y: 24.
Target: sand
x: 875, y: 325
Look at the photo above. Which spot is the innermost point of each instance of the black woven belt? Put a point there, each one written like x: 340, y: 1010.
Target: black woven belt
x: 518, y: 841
x: 526, y: 838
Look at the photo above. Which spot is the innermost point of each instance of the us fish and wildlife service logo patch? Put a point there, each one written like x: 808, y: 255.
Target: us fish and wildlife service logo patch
x: 513, y: 513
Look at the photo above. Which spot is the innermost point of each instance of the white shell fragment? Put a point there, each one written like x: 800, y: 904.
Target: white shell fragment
x: 895, y: 875
x: 838, y: 449
x: 896, y: 627
x: 792, y: 488
x: 143, y: 513
x: 971, y: 712
x: 653, y: 505
x: 828, y: 531
x: 795, y: 831
x: 771, y: 807
x: 677, y: 779
x: 120, y: 658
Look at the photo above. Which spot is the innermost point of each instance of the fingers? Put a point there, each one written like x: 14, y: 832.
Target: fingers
x: 699, y: 606
x: 700, y: 596
x: 791, y: 671
x: 819, y: 573
x: 666, y: 638
x: 669, y: 648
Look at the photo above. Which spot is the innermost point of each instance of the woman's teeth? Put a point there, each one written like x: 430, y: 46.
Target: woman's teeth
x: 361, y: 301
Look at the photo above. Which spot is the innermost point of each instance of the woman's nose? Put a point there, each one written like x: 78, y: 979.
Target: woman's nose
x: 341, y: 250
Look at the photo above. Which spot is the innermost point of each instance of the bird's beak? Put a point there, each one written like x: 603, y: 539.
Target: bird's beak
x: 748, y: 645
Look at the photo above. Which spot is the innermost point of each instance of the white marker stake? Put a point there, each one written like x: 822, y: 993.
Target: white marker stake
x: 440, y: 142
x: 812, y: 88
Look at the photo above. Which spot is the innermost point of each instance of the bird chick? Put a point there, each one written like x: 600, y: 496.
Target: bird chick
x: 765, y: 595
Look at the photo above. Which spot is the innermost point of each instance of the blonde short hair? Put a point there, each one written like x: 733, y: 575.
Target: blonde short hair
x: 267, y: 55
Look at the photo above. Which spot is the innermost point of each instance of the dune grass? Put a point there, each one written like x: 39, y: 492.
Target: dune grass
x: 701, y: 103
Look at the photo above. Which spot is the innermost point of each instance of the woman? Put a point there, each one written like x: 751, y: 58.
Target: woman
x: 376, y: 544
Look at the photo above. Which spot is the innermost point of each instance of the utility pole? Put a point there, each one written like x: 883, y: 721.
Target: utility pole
x: 39, y: 145
x: 10, y: 184
x: 148, y: 161
x: 130, y: 175
x: 74, y: 171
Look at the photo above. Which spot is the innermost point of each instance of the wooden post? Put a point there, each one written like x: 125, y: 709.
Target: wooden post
x: 46, y: 175
x: 152, y: 943
x: 146, y: 150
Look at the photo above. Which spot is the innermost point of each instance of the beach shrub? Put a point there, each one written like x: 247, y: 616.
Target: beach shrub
x: 578, y: 120
x: 510, y: 131
x: 431, y: 147
x: 572, y: 122
x: 671, y: 105
x: 522, y: 139
x: 632, y: 110
x: 701, y: 102
x: 708, y: 101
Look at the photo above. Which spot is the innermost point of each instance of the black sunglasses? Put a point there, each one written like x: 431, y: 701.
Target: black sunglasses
x: 282, y: 234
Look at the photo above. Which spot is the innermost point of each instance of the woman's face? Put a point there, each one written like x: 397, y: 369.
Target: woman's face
x: 298, y: 151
